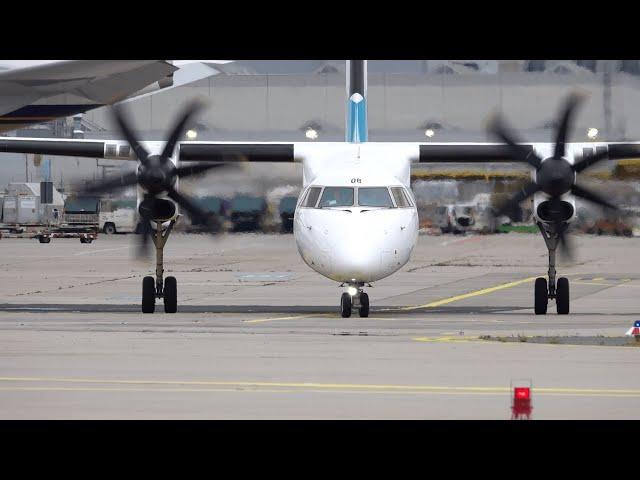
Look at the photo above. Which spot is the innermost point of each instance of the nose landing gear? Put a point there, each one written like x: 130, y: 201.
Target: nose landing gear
x: 558, y: 291
x: 354, y: 297
x: 166, y: 289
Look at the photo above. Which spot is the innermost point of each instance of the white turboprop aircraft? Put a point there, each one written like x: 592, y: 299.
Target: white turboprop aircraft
x: 356, y: 220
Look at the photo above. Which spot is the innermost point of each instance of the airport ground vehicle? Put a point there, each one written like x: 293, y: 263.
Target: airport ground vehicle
x: 216, y: 209
x: 85, y: 234
x: 248, y: 213
x: 117, y: 216
x: 287, y: 210
x: 454, y: 218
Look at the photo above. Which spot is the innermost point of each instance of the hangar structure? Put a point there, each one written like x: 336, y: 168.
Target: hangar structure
x: 281, y: 100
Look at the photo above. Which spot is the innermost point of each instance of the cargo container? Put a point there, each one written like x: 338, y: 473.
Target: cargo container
x: 22, y: 206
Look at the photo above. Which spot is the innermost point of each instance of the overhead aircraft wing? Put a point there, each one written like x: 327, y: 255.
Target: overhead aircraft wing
x: 43, y: 92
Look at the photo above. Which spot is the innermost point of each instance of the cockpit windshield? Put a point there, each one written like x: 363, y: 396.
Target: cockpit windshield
x: 382, y: 197
x: 374, y: 197
x: 336, y: 197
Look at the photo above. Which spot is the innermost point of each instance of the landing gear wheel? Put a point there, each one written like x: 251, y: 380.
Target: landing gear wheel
x: 170, y: 295
x: 541, y: 296
x: 364, y: 305
x: 148, y: 295
x: 345, y: 305
x: 562, y: 296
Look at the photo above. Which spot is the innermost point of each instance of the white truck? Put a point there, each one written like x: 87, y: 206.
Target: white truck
x: 114, y: 218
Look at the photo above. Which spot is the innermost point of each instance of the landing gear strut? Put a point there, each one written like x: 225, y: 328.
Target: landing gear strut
x: 159, y: 288
x: 354, y: 297
x: 558, y: 291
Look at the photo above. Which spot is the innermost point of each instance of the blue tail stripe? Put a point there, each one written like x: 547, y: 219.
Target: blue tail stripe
x: 357, y: 131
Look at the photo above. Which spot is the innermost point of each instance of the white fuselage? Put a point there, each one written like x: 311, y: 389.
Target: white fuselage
x: 358, y: 241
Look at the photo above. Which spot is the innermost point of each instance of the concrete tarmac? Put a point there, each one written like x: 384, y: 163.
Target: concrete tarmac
x: 258, y: 334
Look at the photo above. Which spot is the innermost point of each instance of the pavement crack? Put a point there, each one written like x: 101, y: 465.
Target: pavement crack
x: 76, y: 285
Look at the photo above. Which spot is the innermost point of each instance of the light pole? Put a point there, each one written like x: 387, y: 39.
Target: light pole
x: 606, y: 97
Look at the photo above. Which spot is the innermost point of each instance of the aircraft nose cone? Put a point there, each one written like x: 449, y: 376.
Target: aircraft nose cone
x: 358, y: 250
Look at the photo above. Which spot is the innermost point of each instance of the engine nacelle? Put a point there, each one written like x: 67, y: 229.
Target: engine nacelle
x: 157, y: 209
x: 542, y: 211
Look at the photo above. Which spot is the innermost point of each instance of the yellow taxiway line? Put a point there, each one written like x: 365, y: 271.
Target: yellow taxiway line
x: 476, y: 293
x: 296, y: 387
x: 443, y: 301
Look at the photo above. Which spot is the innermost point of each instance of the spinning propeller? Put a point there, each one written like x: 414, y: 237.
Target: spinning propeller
x: 555, y: 176
x: 157, y: 174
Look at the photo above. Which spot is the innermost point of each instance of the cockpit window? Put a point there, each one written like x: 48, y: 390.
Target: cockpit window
x: 336, y: 197
x: 374, y: 197
x: 312, y: 197
x: 400, y: 196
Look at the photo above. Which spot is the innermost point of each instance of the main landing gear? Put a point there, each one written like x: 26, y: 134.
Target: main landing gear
x: 558, y: 291
x: 354, y: 297
x: 167, y: 289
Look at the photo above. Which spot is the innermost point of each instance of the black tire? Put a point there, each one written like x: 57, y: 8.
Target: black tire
x: 562, y: 296
x: 541, y: 296
x: 170, y: 295
x: 109, y: 229
x: 148, y: 295
x: 44, y: 239
x: 345, y: 305
x: 364, y: 305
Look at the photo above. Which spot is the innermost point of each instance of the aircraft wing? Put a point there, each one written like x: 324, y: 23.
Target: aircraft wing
x: 297, y: 151
x: 120, y: 149
x: 62, y: 88
x: 497, y: 152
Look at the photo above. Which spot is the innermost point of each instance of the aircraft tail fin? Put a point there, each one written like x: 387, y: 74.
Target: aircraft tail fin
x: 357, y: 129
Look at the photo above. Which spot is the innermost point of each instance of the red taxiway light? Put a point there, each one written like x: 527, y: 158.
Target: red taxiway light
x: 521, y: 401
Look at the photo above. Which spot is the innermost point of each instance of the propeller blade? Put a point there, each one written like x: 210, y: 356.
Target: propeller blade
x: 590, y: 160
x: 188, y: 170
x: 197, y: 214
x: 112, y: 184
x: 566, y: 249
x: 146, y: 230
x: 121, y: 119
x: 508, y: 207
x: 520, y: 153
x: 178, y: 129
x: 566, y: 246
x: 570, y: 105
x: 592, y: 197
